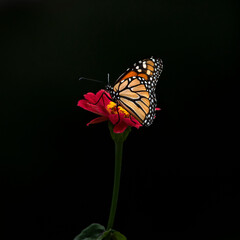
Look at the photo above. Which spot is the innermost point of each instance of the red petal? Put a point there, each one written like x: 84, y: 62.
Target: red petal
x: 105, y: 97
x: 90, y: 97
x: 120, y: 127
x: 97, y: 120
x: 132, y: 122
x: 95, y: 98
x: 90, y: 107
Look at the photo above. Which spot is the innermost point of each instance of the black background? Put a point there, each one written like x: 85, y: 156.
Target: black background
x: 180, y: 176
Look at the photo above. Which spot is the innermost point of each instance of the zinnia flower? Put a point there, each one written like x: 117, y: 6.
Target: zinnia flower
x: 108, y: 111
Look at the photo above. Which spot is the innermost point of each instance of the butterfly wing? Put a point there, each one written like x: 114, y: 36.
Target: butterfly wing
x: 136, y: 89
x: 149, y: 69
x: 134, y: 97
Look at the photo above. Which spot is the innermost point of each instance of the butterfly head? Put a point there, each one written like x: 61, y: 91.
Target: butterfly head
x: 109, y: 88
x: 113, y: 94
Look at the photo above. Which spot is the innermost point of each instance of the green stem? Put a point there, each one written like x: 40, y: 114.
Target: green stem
x: 118, y: 139
x: 117, y: 176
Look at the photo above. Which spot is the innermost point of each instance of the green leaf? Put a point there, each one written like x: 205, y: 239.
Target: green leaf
x: 92, y: 232
x: 118, y: 236
x: 112, y: 235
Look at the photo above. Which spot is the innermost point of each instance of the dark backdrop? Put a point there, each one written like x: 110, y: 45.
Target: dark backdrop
x: 180, y: 177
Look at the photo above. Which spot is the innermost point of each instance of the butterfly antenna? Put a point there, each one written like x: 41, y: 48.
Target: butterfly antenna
x: 89, y: 79
x: 108, y: 78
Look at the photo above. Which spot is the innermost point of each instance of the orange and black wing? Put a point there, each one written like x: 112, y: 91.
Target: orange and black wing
x: 134, y: 97
x: 136, y: 89
x: 149, y: 69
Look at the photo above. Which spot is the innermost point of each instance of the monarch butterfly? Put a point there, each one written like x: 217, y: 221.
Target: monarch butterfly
x: 134, y: 90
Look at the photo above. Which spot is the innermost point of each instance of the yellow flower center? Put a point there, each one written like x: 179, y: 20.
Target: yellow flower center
x: 112, y: 109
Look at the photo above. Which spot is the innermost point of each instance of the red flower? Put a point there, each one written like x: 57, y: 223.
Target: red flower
x: 107, y: 110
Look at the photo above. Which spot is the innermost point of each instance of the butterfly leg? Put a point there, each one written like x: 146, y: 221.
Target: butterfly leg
x: 119, y: 117
x: 101, y: 97
x: 132, y: 119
